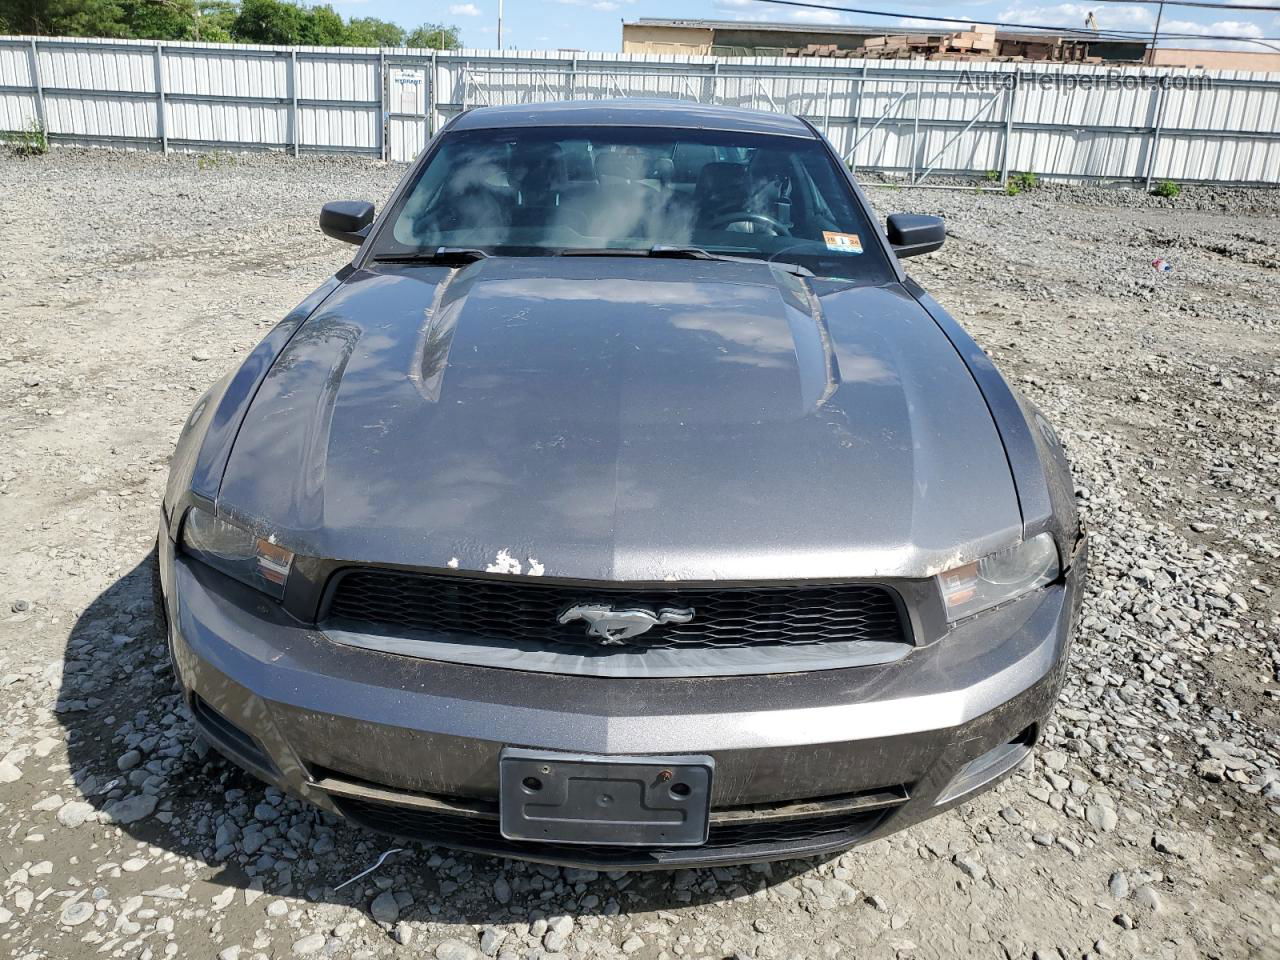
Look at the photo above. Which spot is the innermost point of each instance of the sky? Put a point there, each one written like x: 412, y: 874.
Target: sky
x: 597, y: 24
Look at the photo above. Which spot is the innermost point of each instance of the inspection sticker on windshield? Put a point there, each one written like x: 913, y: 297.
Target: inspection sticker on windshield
x: 842, y: 242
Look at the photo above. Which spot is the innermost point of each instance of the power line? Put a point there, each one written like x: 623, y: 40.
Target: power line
x: 1076, y: 32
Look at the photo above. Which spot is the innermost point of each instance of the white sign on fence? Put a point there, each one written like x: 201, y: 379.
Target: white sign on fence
x: 408, y: 90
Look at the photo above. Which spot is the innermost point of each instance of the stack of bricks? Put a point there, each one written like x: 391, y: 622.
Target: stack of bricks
x: 979, y: 42
x: 981, y: 39
x: 898, y: 47
x: 1052, y: 48
x: 820, y: 50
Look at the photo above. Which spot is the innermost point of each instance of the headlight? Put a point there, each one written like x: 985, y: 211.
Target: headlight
x: 1002, y: 576
x: 236, y: 552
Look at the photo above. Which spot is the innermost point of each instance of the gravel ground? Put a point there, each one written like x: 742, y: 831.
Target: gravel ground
x: 1145, y: 827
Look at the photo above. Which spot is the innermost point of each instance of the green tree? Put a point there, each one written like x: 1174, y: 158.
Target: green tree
x: 323, y: 27
x: 269, y: 21
x: 215, y: 19
x: 91, y: 18
x: 372, y: 32
x: 28, y: 16
x: 160, y: 19
x: 77, y: 18
x: 434, y: 36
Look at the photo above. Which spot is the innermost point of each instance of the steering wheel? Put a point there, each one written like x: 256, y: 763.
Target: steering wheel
x: 745, y: 216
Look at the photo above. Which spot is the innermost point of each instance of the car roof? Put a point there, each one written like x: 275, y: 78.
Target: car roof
x: 633, y: 113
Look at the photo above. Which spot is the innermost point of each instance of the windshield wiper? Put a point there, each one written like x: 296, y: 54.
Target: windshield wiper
x: 462, y: 255
x: 438, y: 255
x: 670, y: 252
x: 698, y: 253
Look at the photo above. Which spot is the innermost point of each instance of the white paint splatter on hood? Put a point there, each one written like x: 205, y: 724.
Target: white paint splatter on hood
x: 505, y: 563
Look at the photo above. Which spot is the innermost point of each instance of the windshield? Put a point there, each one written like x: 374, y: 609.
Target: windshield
x: 539, y: 191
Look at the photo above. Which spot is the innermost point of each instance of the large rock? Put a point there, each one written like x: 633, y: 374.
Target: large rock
x: 384, y: 908
x: 1101, y: 817
x: 308, y: 945
x: 455, y: 950
x: 74, y: 813
x: 74, y: 914
x: 132, y: 808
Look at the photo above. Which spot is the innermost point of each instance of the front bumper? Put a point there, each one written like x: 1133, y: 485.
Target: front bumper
x: 411, y: 746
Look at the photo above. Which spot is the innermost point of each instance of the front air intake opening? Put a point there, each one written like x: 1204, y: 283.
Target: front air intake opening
x: 991, y: 765
x: 732, y: 840
x: 227, y: 736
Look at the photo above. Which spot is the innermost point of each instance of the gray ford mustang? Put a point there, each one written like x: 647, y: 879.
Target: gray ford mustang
x: 622, y: 503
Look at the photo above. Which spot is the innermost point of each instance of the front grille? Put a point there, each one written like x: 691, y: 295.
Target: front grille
x: 526, y: 611
x: 745, y: 839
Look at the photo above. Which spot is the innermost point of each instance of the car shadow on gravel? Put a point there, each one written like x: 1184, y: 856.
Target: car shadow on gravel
x: 136, y: 757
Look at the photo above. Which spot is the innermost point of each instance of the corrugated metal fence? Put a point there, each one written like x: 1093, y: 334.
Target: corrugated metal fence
x: 912, y: 118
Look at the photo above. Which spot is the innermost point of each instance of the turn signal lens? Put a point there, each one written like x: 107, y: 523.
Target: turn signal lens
x: 236, y: 552
x: 1000, y: 577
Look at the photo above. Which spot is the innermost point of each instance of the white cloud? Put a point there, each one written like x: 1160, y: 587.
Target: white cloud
x: 604, y: 5
x: 747, y: 11
x: 935, y: 26
x: 1074, y: 15
x: 1123, y: 17
x: 1225, y: 28
x: 816, y: 16
x: 753, y: 12
x: 465, y: 10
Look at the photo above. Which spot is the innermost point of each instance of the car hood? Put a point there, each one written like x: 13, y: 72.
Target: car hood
x: 623, y: 419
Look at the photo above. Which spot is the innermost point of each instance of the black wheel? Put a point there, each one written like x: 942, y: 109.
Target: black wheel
x: 159, y: 614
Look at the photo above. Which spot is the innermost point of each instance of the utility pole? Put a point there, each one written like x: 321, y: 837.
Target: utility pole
x: 1155, y: 37
x: 500, y: 23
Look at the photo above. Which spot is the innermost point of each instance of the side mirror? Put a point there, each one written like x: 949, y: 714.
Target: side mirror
x: 346, y: 220
x: 912, y: 234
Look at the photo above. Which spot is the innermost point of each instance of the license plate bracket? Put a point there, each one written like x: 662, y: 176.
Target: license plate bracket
x: 611, y: 801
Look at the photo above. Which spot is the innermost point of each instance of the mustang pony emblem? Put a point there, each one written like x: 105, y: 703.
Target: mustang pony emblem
x: 613, y: 627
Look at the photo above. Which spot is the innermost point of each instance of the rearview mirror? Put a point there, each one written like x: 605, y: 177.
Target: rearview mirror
x: 346, y: 220
x: 912, y: 234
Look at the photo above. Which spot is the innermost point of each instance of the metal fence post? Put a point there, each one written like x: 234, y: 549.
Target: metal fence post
x: 1161, y: 94
x: 38, y: 87
x: 293, y: 98
x: 826, y: 120
x: 162, y: 119
x: 573, y: 77
x: 431, y: 96
x: 915, y: 131
x: 857, y: 118
x: 384, y: 119
x: 1010, y: 97
x: 715, y: 82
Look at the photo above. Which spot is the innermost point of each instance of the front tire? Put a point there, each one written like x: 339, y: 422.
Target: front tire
x: 159, y: 613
